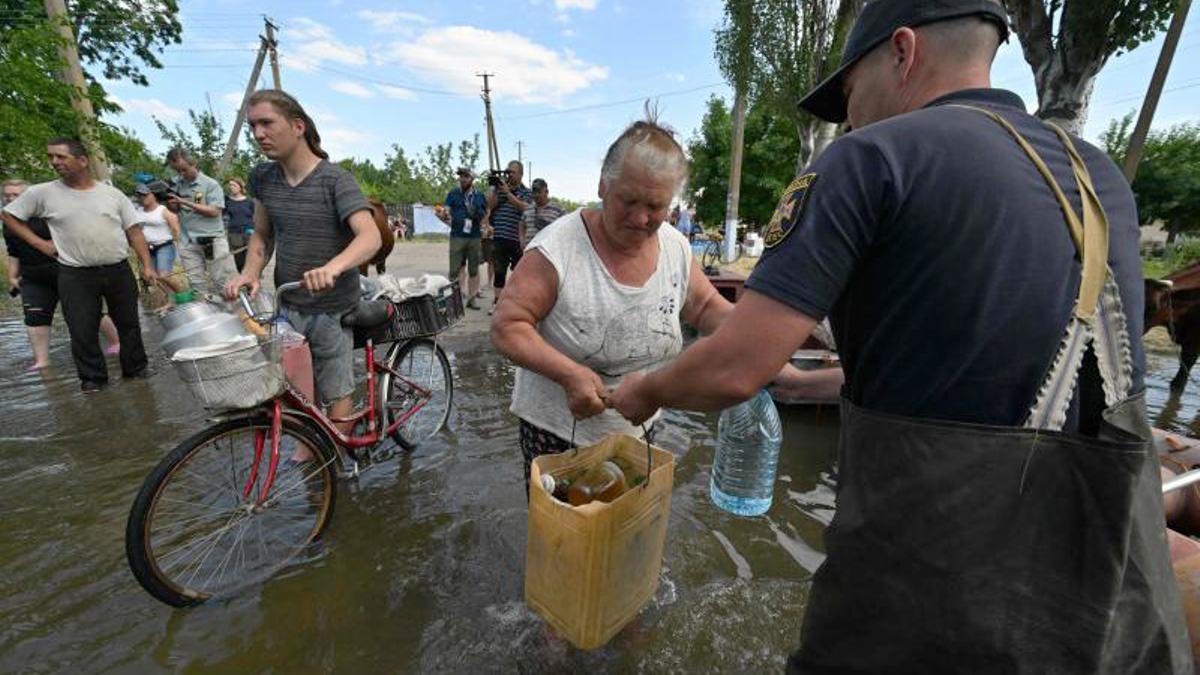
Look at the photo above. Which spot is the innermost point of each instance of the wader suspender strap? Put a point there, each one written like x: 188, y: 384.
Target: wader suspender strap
x: 1098, y: 319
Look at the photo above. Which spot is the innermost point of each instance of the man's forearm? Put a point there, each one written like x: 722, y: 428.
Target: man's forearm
x: 360, y: 250
x: 138, y: 241
x: 14, y: 267
x: 256, y: 255
x: 19, y: 228
x: 204, y: 209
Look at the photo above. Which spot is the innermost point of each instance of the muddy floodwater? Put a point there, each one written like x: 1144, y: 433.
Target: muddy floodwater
x: 422, y: 567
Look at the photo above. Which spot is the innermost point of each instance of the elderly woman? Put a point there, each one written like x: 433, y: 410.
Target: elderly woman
x: 601, y: 294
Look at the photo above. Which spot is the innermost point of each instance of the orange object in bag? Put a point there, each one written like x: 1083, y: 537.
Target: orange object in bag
x: 590, y: 569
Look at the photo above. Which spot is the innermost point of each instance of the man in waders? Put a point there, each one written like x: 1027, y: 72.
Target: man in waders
x: 998, y: 506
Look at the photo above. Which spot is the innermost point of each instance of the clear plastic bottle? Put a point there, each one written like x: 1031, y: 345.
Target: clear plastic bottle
x: 743, y: 473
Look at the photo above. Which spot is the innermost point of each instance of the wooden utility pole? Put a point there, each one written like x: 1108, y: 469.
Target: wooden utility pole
x: 735, y: 176
x: 1138, y: 140
x: 493, y: 149
x: 271, y: 44
x: 72, y: 74
x: 231, y: 145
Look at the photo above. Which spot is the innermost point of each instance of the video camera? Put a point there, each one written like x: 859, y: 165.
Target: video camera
x: 498, y: 176
x: 162, y: 191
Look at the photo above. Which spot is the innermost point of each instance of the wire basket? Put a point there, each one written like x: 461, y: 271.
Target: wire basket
x: 418, y: 316
x: 242, y: 378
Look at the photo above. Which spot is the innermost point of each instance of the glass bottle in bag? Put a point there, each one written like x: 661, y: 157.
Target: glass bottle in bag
x: 743, y: 473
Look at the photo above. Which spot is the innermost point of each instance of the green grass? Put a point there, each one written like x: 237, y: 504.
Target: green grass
x: 1155, y: 268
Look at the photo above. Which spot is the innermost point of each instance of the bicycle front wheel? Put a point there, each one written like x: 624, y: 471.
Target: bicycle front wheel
x: 418, y: 388
x: 194, y: 534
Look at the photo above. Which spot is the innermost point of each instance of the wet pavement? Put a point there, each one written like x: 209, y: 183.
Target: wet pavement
x: 421, y: 569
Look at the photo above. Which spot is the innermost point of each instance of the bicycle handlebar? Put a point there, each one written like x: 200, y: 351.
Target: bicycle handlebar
x: 264, y: 318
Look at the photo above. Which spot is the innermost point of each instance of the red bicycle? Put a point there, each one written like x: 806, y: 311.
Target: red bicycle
x: 237, y: 501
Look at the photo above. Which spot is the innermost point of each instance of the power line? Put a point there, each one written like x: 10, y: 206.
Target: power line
x: 595, y: 106
x: 390, y: 83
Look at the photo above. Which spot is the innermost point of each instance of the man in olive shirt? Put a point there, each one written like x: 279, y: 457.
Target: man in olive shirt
x: 92, y: 226
x: 199, y: 201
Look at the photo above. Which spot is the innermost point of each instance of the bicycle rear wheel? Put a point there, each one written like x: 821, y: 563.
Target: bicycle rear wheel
x: 422, y: 379
x: 191, y: 534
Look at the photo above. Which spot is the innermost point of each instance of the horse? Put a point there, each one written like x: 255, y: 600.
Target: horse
x: 387, y: 240
x: 1174, y: 302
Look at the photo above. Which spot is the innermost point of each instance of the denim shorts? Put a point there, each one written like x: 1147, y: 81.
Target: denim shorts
x: 164, y: 258
x: 332, y: 347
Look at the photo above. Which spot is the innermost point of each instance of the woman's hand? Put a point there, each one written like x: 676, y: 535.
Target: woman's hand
x: 586, y: 393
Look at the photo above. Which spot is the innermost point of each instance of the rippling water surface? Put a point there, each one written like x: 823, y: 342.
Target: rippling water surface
x: 422, y: 567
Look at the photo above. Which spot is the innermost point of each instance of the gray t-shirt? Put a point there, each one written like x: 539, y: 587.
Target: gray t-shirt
x: 203, y: 190
x: 310, y: 226
x: 87, y: 226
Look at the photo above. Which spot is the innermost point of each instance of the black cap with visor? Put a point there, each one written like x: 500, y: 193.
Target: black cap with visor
x: 878, y: 20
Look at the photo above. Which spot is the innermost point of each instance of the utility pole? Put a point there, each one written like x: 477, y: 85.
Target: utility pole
x: 72, y: 74
x: 493, y: 149
x: 735, y: 176
x: 271, y: 44
x: 1138, y: 140
x: 231, y: 144
x: 520, y: 157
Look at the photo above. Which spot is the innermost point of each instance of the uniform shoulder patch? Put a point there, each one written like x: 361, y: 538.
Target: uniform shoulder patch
x: 790, y: 209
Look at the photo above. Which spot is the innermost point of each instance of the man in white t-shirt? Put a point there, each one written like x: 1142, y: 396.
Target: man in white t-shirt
x: 92, y: 225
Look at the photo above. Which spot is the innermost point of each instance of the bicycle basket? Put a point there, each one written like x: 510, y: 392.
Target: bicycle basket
x: 418, y: 316
x: 241, y: 378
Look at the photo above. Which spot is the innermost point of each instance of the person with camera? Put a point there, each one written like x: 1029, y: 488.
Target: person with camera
x: 315, y: 217
x: 465, y: 212
x: 506, y: 203
x: 199, y: 201
x: 92, y: 226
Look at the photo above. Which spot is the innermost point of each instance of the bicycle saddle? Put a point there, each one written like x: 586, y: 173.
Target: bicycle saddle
x: 369, y: 314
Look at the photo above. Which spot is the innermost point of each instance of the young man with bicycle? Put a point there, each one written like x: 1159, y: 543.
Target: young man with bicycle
x: 315, y: 217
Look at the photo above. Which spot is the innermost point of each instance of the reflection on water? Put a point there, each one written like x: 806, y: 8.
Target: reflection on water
x: 422, y: 569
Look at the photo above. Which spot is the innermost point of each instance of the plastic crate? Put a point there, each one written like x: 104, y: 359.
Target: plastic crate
x: 419, y: 316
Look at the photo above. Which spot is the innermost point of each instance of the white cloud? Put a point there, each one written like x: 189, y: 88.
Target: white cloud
x: 397, y: 92
x: 152, y: 107
x: 568, y: 32
x: 526, y: 72
x: 391, y: 21
x: 677, y: 77
x: 352, y: 89
x: 575, y: 4
x: 308, y: 44
x: 233, y: 98
x: 341, y: 142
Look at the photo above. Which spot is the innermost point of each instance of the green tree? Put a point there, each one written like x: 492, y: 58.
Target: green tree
x: 205, y: 140
x: 767, y: 163
x: 1167, y: 185
x: 119, y: 38
x: 1067, y: 44
x: 780, y: 49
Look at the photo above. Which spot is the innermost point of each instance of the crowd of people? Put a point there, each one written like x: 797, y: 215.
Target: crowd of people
x: 999, y: 505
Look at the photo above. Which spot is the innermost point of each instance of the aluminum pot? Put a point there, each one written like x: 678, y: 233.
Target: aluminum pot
x: 198, y: 327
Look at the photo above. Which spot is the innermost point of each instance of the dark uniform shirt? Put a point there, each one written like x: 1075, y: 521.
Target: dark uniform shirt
x: 943, y: 259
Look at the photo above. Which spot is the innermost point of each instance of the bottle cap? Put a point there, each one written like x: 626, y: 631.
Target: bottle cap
x: 548, y: 483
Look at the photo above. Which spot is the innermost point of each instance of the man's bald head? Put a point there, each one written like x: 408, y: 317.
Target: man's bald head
x: 917, y: 65
x: 970, y: 39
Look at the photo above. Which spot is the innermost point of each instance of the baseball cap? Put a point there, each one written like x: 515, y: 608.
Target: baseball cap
x: 141, y: 189
x: 878, y: 20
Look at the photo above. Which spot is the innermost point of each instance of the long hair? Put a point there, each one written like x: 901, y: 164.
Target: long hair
x: 285, y: 104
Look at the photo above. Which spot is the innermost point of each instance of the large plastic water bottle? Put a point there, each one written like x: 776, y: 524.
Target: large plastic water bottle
x: 743, y: 473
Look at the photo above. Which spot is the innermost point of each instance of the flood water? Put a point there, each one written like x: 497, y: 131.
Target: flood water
x: 422, y: 567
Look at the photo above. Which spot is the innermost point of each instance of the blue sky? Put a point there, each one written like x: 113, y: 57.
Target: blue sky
x: 569, y: 74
